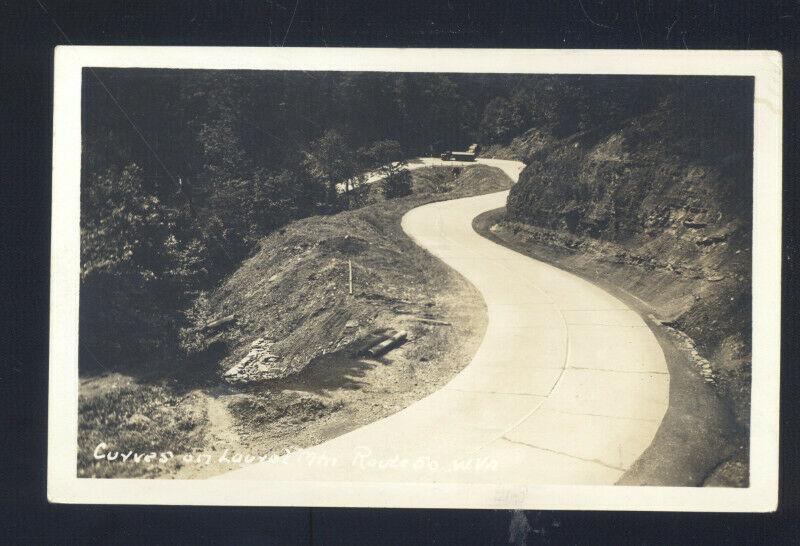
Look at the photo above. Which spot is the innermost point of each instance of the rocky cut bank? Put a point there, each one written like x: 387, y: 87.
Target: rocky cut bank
x: 656, y: 196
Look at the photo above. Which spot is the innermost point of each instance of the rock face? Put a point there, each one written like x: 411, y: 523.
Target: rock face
x: 259, y: 364
x: 668, y: 195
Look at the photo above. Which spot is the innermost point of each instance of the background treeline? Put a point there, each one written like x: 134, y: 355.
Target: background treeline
x: 184, y: 171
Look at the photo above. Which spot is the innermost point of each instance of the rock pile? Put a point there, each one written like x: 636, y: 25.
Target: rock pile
x: 688, y: 344
x: 259, y: 364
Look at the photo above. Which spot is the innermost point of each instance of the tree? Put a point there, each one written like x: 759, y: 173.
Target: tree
x: 137, y: 269
x: 383, y: 154
x: 385, y: 158
x: 501, y: 120
x: 330, y: 160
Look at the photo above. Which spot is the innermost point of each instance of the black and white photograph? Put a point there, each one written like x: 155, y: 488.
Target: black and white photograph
x: 421, y: 278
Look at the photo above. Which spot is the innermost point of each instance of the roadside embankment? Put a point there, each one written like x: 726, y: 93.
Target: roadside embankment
x: 294, y: 295
x: 699, y: 441
x: 659, y: 206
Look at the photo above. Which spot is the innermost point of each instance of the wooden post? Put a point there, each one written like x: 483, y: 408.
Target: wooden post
x: 350, y: 275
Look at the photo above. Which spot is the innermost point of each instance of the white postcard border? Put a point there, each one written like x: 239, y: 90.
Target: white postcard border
x: 63, y: 485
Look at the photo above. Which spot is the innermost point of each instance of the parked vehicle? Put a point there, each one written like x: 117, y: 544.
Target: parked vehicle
x: 469, y: 155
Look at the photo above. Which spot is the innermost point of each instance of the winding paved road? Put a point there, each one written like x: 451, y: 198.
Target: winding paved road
x: 568, y: 386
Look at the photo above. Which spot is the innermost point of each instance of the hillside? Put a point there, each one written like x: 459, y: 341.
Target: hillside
x: 293, y: 294
x: 294, y: 290
x: 659, y: 205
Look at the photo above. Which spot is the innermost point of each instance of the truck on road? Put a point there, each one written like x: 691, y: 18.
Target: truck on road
x: 468, y: 155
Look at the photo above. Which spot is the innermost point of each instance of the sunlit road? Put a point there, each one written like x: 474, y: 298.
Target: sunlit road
x: 568, y: 386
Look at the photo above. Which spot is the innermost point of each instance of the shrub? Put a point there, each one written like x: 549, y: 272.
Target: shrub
x: 397, y: 184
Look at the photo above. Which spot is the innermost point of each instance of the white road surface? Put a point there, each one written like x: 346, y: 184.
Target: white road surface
x: 568, y: 386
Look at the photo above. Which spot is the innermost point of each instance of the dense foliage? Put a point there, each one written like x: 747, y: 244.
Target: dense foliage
x: 184, y: 171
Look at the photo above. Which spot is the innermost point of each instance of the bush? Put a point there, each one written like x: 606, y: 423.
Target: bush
x: 397, y: 184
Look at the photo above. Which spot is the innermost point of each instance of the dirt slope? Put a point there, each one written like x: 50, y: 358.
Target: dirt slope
x: 295, y: 292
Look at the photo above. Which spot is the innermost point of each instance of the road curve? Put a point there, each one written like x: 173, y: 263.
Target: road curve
x: 568, y: 386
